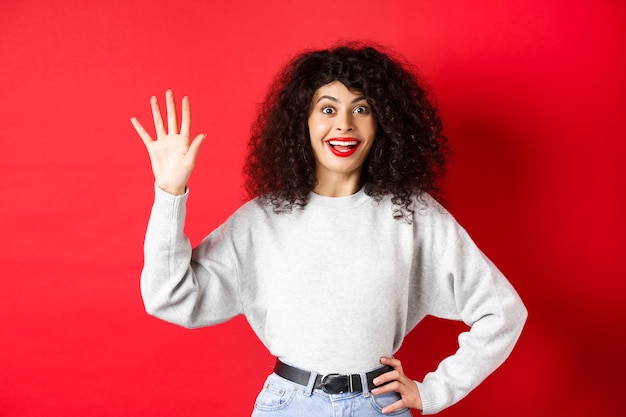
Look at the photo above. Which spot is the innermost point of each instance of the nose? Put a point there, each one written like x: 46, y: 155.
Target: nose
x: 344, y: 122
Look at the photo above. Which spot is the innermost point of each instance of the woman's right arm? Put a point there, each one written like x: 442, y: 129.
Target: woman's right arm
x: 174, y: 287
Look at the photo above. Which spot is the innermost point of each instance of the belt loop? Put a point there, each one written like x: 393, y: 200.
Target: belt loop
x: 311, y: 385
x: 364, y: 385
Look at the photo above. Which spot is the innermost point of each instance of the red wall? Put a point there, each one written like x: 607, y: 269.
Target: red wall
x: 533, y: 96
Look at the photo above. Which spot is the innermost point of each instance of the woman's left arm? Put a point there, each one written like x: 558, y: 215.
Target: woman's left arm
x: 466, y: 286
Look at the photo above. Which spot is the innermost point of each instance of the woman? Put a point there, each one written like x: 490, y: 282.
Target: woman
x: 342, y: 249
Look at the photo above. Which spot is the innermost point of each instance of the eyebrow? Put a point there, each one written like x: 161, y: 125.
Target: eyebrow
x: 331, y: 98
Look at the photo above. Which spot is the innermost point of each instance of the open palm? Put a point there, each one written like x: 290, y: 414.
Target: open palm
x: 173, y: 154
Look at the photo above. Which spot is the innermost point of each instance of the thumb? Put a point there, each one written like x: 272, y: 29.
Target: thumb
x: 194, y: 147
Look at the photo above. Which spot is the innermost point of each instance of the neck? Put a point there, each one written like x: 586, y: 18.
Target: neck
x: 338, y: 186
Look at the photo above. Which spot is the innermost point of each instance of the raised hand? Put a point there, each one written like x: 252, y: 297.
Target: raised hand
x: 172, y: 155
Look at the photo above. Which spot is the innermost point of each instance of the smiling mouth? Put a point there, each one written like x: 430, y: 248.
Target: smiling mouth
x: 343, y: 147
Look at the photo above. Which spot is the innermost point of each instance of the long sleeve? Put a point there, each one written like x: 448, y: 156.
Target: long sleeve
x: 471, y: 289
x: 179, y: 285
x: 337, y: 258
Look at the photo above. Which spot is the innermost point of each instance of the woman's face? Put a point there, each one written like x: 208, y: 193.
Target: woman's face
x: 342, y: 127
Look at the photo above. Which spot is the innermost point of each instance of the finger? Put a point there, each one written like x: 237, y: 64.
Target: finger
x: 393, y: 386
x: 143, y: 134
x: 172, y: 120
x: 393, y: 407
x: 393, y: 362
x: 185, y: 125
x: 386, y: 377
x: 156, y: 116
x: 410, y: 397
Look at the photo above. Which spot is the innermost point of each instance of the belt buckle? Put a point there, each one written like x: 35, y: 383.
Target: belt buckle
x: 336, y: 383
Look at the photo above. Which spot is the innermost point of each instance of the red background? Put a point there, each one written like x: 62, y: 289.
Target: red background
x: 532, y: 94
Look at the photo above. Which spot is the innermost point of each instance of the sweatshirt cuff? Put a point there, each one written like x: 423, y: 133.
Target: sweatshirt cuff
x: 168, y: 205
x: 430, y: 405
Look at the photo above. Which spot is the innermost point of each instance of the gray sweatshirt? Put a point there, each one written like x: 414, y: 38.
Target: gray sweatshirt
x: 334, y: 287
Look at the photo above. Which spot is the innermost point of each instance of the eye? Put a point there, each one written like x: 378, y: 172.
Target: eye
x: 362, y: 109
x: 328, y: 110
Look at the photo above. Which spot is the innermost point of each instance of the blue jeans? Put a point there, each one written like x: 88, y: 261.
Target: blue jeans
x: 284, y: 398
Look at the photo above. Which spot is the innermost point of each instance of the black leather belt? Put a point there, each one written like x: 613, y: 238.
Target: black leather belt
x: 330, y: 383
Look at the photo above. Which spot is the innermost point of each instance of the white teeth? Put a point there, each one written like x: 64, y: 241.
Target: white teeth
x: 343, y: 143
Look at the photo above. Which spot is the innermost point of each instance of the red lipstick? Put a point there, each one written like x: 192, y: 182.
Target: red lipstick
x: 343, y: 147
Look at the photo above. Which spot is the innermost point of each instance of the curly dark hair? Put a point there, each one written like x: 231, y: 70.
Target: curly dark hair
x: 408, y: 157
